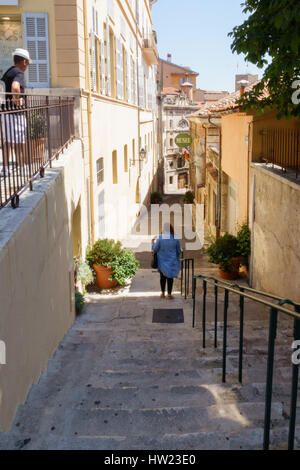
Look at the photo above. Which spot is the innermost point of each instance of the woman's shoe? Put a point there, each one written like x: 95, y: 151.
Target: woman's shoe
x: 162, y: 296
x: 170, y: 297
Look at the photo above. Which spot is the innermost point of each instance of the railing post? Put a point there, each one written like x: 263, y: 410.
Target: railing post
x: 49, y: 133
x: 181, y: 280
x: 293, y: 409
x: 242, y: 303
x: 216, y: 314
x: 204, y: 314
x: 225, y: 334
x: 269, y: 385
x: 185, y: 278
x: 194, y: 299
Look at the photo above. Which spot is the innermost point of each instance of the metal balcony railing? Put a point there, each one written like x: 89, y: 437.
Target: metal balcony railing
x: 276, y: 306
x: 281, y: 147
x: 33, y: 131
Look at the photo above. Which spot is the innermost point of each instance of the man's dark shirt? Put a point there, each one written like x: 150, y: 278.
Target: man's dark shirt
x: 14, y: 74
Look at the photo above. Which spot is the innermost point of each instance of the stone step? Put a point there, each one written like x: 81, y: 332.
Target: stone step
x: 244, y: 439
x: 129, y: 378
x: 151, y: 421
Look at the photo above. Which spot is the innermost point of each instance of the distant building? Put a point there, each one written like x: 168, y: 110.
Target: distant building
x: 248, y: 77
x: 179, y: 97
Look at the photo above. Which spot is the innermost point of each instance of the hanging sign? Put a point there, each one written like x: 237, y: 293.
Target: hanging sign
x: 183, y: 140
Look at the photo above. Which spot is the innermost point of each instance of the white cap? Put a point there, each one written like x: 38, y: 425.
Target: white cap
x: 22, y: 53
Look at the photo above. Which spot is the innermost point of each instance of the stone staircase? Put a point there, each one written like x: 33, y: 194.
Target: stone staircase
x: 120, y: 382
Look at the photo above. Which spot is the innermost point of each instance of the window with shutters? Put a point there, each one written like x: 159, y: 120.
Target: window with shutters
x: 111, y: 9
x: 100, y: 170
x: 124, y: 60
x: 119, y: 67
x: 36, y: 42
x: 115, y: 167
x: 112, y: 63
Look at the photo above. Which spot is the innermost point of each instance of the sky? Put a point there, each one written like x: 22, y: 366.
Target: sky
x: 195, y: 33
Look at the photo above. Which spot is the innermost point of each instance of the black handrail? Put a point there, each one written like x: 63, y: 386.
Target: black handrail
x: 275, y: 309
x: 187, y: 274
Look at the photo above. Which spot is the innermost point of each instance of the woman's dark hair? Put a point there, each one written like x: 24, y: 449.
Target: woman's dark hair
x: 169, y: 228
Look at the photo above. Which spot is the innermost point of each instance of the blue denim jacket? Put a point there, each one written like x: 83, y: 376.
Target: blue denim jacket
x: 168, y: 252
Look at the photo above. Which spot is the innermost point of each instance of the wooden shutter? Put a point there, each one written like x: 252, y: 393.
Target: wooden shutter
x: 93, y: 62
x: 37, y: 43
x: 108, y: 65
x: 119, y: 66
x: 128, y: 78
x: 102, y: 67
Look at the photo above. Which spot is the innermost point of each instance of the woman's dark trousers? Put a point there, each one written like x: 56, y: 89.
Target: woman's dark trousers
x: 163, y: 280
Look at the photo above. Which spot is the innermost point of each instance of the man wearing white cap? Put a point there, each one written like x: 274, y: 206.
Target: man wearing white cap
x: 14, y: 127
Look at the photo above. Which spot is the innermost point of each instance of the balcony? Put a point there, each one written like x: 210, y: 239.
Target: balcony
x: 149, y: 50
x: 34, y: 130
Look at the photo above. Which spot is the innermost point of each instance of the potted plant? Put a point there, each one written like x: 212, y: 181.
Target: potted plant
x: 244, y: 244
x: 156, y: 198
x: 225, y: 253
x: 38, y: 134
x: 188, y: 198
x: 82, y: 274
x: 112, y: 263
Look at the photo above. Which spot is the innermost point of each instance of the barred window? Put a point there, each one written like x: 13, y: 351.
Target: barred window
x: 100, y: 170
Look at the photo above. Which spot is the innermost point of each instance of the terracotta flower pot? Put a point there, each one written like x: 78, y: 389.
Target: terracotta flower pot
x: 103, y: 274
x: 233, y: 274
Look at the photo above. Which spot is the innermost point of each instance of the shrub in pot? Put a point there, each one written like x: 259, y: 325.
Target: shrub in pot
x: 156, y: 198
x: 112, y: 263
x: 225, y: 253
x: 244, y: 244
x: 188, y: 198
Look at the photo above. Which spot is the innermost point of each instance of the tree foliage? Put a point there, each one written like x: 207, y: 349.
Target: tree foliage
x: 271, y: 37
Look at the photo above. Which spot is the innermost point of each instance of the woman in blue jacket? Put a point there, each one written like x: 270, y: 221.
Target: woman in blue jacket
x: 168, y: 250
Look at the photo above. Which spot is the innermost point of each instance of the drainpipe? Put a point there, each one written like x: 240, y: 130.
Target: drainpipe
x: 138, y: 94
x: 248, y: 170
x: 89, y: 111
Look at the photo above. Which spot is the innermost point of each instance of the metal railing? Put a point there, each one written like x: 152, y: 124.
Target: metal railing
x: 281, y: 147
x: 187, y: 274
x: 276, y: 306
x: 33, y: 131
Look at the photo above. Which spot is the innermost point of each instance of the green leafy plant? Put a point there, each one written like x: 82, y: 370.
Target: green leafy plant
x: 188, y: 198
x: 103, y: 252
x: 223, y: 250
x: 244, y: 242
x: 110, y: 253
x: 79, y: 302
x: 83, y: 273
x: 270, y: 37
x: 37, y: 126
x: 156, y: 198
x: 124, y: 267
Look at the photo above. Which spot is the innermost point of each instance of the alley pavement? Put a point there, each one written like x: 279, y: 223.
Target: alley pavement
x: 119, y: 381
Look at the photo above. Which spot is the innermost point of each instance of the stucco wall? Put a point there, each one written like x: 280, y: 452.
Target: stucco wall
x: 235, y: 131
x: 36, y: 272
x: 276, y: 251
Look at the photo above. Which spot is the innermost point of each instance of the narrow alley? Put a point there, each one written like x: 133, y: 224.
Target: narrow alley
x: 120, y: 381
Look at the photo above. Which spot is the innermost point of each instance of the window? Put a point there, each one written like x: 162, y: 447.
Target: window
x: 36, y: 41
x: 171, y: 142
x: 171, y: 124
x: 115, y: 167
x: 125, y: 158
x: 171, y: 179
x: 100, y: 170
